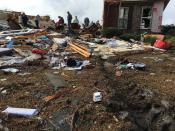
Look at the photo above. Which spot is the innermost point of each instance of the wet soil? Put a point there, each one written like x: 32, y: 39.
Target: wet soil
x: 138, y: 100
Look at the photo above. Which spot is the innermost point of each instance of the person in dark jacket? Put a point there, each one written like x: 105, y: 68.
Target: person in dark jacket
x: 69, y: 21
x: 25, y: 20
x: 86, y: 22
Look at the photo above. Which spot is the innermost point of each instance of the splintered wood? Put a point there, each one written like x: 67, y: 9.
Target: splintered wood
x: 59, y: 94
x: 32, y: 36
x: 79, y: 49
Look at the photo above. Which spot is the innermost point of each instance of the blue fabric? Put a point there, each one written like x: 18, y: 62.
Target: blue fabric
x: 10, y: 44
x: 44, y: 38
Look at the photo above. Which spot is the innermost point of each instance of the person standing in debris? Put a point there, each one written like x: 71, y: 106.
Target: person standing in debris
x: 98, y: 29
x: 86, y: 22
x: 76, y: 21
x: 98, y: 24
x: 69, y: 21
x: 75, y: 24
x: 20, y: 20
x: 37, y: 21
x: 25, y: 20
x: 60, y: 21
x: 60, y: 24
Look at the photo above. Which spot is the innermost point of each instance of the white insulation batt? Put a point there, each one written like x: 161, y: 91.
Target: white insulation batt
x: 21, y: 111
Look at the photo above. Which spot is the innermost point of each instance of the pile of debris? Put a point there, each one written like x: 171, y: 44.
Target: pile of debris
x: 4, y: 25
x: 28, y: 45
x: 57, y: 49
x: 57, y: 52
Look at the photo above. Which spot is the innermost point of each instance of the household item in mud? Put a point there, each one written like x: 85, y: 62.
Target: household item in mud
x: 73, y: 63
x: 97, y: 97
x: 161, y: 44
x: 138, y: 66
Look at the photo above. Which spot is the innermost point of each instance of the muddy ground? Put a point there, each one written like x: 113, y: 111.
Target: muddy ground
x: 138, y: 100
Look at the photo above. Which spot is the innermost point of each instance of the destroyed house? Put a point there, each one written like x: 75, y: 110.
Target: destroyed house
x: 134, y: 15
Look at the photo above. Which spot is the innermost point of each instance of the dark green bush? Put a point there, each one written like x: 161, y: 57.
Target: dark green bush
x: 111, y: 32
x: 127, y: 37
x: 170, y: 39
x: 150, y: 39
x: 168, y: 29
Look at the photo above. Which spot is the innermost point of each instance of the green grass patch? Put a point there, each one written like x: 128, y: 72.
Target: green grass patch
x: 170, y: 39
x: 149, y: 39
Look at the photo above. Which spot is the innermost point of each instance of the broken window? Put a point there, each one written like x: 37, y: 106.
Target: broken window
x: 123, y: 18
x: 146, y: 18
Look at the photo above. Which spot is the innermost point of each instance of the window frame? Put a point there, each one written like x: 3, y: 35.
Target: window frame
x: 120, y: 27
x: 149, y: 17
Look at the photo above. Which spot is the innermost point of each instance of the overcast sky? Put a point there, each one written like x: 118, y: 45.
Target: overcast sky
x: 82, y: 8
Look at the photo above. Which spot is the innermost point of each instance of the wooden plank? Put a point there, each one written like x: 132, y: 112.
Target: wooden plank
x: 79, y: 50
x: 23, y: 47
x: 83, y: 47
x: 31, y: 36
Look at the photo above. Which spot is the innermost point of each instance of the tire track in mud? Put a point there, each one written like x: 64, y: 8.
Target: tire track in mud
x: 145, y: 112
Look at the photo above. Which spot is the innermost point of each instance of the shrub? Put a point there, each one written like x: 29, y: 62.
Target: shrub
x: 150, y: 39
x: 127, y: 37
x: 170, y: 39
x: 168, y: 30
x: 110, y: 32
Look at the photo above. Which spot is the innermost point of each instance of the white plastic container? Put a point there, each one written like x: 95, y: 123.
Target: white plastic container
x: 97, y: 97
